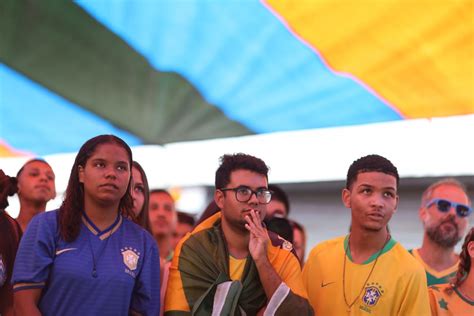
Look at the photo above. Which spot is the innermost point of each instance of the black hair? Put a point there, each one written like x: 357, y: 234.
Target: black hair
x: 240, y: 161
x: 370, y: 163
x: 278, y: 194
x: 185, y: 218
x: 30, y: 161
x: 280, y: 226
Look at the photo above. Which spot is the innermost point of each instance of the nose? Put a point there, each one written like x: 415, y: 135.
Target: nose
x: 253, y: 198
x: 110, y: 172
x: 44, y: 177
x: 452, y: 211
x: 376, y: 200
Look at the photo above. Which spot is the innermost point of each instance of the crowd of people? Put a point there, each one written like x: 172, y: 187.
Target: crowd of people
x: 117, y: 247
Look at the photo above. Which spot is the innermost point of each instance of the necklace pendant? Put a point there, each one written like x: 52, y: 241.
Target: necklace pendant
x: 94, y: 274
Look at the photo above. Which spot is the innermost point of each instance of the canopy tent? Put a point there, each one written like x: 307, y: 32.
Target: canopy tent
x: 161, y: 72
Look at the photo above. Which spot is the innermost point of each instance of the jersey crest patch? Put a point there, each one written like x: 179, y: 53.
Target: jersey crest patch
x: 372, y: 294
x: 285, y: 244
x: 3, y: 272
x: 130, y: 257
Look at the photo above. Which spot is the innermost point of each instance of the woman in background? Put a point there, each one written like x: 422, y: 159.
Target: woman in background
x: 36, y: 187
x: 88, y: 258
x: 457, y: 298
x: 10, y: 233
x: 140, y: 195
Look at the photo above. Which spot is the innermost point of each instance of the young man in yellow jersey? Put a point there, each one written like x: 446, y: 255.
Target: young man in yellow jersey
x: 367, y: 272
x: 444, y: 212
x: 230, y: 264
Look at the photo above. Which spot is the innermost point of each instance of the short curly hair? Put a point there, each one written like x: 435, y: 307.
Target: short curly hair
x: 240, y: 161
x: 370, y: 163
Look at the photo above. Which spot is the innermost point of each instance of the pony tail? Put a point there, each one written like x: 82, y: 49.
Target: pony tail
x: 8, y: 187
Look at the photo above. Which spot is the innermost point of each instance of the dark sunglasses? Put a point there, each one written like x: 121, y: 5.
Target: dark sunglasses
x: 445, y: 205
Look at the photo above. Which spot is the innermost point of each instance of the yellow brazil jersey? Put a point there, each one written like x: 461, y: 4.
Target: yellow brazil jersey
x: 236, y: 268
x: 397, y: 285
x: 448, y: 301
x: 435, y: 277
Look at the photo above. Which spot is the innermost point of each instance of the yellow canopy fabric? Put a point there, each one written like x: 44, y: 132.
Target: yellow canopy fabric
x: 417, y: 55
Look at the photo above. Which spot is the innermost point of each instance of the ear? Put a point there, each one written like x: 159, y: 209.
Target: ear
x: 470, y: 249
x: 422, y: 213
x: 346, y: 197
x: 219, y: 198
x: 80, y: 173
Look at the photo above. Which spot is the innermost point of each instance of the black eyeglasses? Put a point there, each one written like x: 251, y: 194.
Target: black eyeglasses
x: 445, y: 205
x: 244, y: 194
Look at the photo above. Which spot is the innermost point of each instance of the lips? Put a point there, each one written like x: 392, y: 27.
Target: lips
x: 109, y: 186
x: 376, y: 216
x: 43, y: 187
x: 449, y: 225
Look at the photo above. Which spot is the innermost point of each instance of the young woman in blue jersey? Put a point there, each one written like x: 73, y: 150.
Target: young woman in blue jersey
x: 88, y: 258
x: 140, y: 195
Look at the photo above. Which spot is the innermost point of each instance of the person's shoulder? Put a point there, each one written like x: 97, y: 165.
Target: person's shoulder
x: 406, y: 260
x: 327, y: 246
x: 135, y: 229
x: 43, y: 224
x: 49, y: 218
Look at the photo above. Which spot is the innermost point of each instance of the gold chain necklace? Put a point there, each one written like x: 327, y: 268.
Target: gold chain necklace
x: 349, y: 306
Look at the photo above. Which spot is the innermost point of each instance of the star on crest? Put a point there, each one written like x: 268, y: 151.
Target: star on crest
x: 443, y: 304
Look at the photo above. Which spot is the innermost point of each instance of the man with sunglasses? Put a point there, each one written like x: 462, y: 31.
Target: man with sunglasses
x: 230, y: 264
x: 444, y: 211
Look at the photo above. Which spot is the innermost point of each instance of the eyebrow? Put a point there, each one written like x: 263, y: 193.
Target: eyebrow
x: 372, y: 186
x: 246, y: 186
x: 99, y: 159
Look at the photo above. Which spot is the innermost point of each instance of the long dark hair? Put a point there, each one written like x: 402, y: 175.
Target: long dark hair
x: 143, y: 219
x: 72, y: 207
x: 10, y: 231
x: 464, y: 260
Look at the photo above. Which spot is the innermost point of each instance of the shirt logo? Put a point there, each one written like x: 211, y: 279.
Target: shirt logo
x: 130, y: 257
x: 326, y: 284
x: 58, y: 252
x: 372, y: 294
x: 286, y: 244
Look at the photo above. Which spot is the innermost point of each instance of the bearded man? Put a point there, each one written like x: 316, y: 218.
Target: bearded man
x: 444, y: 211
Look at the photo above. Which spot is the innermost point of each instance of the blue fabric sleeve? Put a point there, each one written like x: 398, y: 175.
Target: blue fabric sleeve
x: 146, y: 294
x: 35, y: 254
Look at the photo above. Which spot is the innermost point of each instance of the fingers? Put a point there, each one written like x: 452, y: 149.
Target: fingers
x: 253, y: 221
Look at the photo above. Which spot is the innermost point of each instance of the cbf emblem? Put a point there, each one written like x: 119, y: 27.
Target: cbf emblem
x: 372, y: 294
x: 130, y: 257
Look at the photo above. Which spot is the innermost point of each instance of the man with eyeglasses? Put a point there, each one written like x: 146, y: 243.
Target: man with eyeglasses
x: 230, y: 264
x: 444, y: 211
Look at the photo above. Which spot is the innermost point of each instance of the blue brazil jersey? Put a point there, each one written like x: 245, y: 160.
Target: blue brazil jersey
x: 106, y: 272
